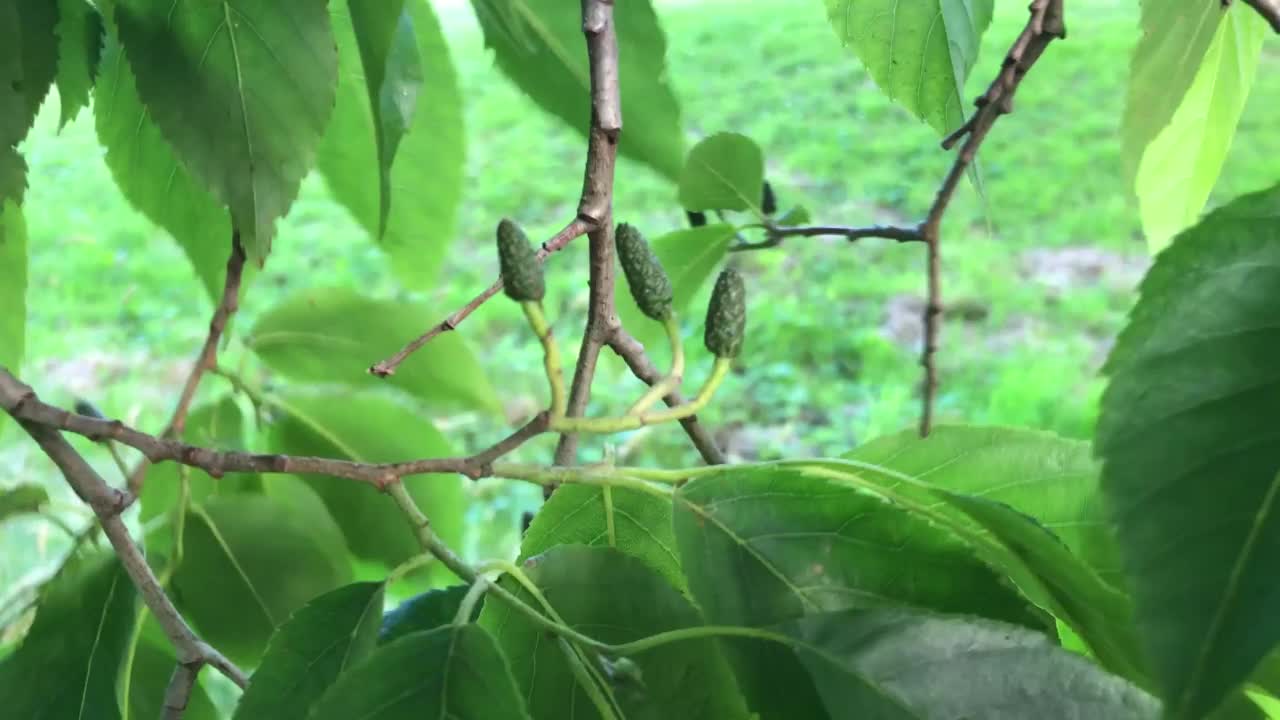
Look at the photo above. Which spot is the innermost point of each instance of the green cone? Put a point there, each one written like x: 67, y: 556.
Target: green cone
x: 521, y: 271
x: 726, y: 315
x: 649, y: 283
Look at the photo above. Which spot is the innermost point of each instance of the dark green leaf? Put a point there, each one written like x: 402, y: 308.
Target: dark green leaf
x: 79, y: 50
x: 150, y: 176
x: 723, y: 172
x: 393, y: 154
x: 219, y: 425
x: 21, y: 500
x: 579, y: 515
x: 919, y: 53
x: 457, y: 672
x: 426, y: 611
x: 333, y: 335
x: 28, y: 62
x: 756, y: 555
x: 371, y: 428
x: 1192, y: 455
x: 689, y: 256
x: 310, y: 650
x: 539, y: 45
x: 13, y: 284
x: 251, y: 560
x: 69, y: 661
x: 150, y: 670
x: 242, y: 90
x: 614, y: 598
x: 896, y: 663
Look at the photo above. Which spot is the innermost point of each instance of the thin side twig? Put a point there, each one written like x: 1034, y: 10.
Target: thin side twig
x: 596, y: 204
x: 385, y: 368
x: 632, y: 353
x: 178, y: 694
x: 775, y: 234
x: 208, y: 357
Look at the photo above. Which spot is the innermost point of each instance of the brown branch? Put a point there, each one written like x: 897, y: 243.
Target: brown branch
x: 577, y: 227
x: 596, y: 205
x: 775, y: 234
x: 178, y: 694
x: 107, y: 504
x: 208, y: 356
x: 1268, y: 9
x: 632, y: 352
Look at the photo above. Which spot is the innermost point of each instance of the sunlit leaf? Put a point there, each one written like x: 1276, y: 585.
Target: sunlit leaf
x: 242, y: 90
x: 723, y: 172
x: 1191, y: 453
x: 21, y: 499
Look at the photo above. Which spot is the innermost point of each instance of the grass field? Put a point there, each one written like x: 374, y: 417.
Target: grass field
x: 1038, y: 278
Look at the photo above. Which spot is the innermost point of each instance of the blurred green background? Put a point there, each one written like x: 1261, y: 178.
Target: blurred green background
x: 1038, y: 274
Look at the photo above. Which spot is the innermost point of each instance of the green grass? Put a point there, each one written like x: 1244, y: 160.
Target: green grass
x: 1039, y: 282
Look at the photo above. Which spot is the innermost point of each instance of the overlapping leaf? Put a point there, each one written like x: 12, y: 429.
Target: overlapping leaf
x: 723, y: 172
x: 425, y: 611
x: 80, y: 36
x: 1192, y: 453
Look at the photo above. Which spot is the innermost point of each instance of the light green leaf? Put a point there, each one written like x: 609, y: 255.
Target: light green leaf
x: 689, y: 256
x: 369, y: 428
x: 919, y: 52
x: 1175, y: 37
x: 614, y: 598
x: 251, y: 560
x: 242, y: 90
x: 150, y: 176
x: 897, y: 663
x: 425, y: 611
x: 334, y: 335
x: 456, y: 671
x: 539, y: 45
x: 21, y: 500
x: 394, y: 152
x: 1191, y: 453
x: 80, y: 36
x: 13, y: 284
x: 308, y: 652
x: 69, y: 661
x: 723, y: 172
x: 580, y: 515
x: 1179, y: 167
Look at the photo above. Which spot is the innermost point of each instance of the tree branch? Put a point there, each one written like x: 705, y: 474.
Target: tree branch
x: 775, y: 234
x: 384, y: 368
x: 632, y: 352
x: 596, y: 205
x: 178, y: 694
x: 107, y: 503
x: 208, y: 357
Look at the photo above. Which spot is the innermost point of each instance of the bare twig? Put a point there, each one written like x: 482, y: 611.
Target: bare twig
x: 596, y: 204
x: 1268, y: 9
x: 632, y: 352
x: 577, y: 227
x: 178, y: 694
x: 107, y: 503
x: 775, y: 234
x: 208, y: 357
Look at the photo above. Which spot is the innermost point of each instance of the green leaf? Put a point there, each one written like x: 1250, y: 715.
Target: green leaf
x: 425, y: 611
x: 394, y: 152
x: 369, y: 428
x: 756, y: 555
x: 579, y: 515
x: 539, y: 45
x: 21, y: 500
x: 1179, y: 167
x: 219, y: 425
x: 457, y: 671
x: 614, y: 598
x: 1053, y: 479
x: 251, y: 560
x: 308, y: 652
x: 80, y: 36
x: 1175, y: 37
x: 150, y: 670
x: 13, y: 284
x: 242, y: 91
x: 333, y: 335
x: 689, y: 256
x: 919, y: 53
x: 151, y: 178
x: 1191, y: 458
x: 69, y: 661
x: 28, y: 62
x: 896, y: 663
x: 723, y: 172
